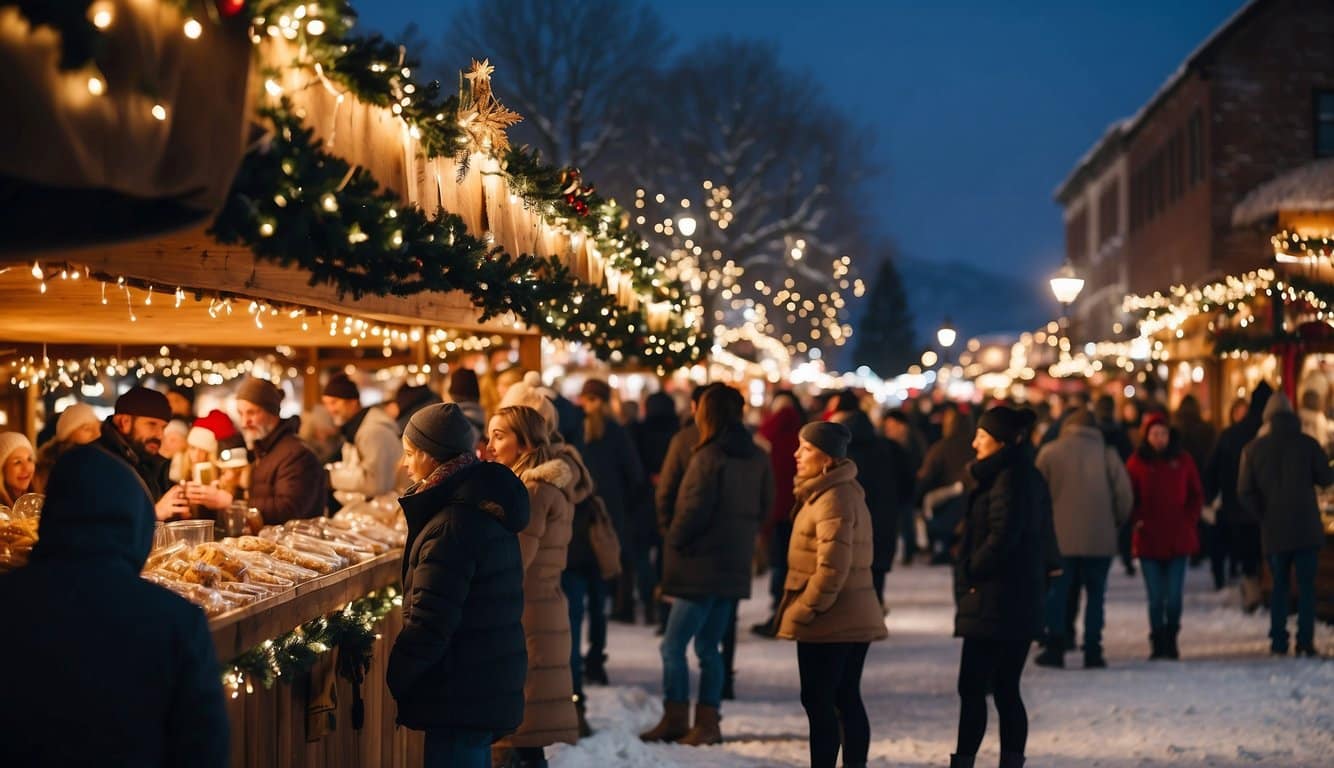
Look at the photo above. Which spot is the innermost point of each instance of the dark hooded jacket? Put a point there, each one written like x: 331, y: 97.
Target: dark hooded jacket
x: 1279, y: 474
x: 287, y: 481
x: 652, y: 438
x: 1197, y: 435
x: 105, y: 667
x: 726, y: 494
x: 154, y: 470
x: 1224, y: 467
x: 618, y: 476
x: 884, y: 474
x: 1007, y: 549
x: 461, y: 659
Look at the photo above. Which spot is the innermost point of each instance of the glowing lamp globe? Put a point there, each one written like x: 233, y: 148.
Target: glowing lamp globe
x: 1066, y: 284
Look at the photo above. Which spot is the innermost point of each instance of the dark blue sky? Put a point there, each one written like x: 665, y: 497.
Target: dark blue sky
x: 979, y: 108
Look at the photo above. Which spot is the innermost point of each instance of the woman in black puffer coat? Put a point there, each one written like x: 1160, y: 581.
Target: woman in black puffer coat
x: 457, y: 669
x: 1007, y: 552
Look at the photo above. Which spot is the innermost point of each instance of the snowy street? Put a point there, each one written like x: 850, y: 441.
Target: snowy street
x: 1227, y: 703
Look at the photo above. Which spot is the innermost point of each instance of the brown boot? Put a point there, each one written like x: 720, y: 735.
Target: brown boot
x: 707, y: 729
x: 675, y: 723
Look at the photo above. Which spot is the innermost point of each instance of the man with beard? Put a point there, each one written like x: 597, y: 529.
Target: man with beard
x: 134, y: 433
x: 372, y: 449
x: 286, y: 480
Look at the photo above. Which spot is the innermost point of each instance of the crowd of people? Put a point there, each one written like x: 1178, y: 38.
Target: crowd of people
x: 534, y: 516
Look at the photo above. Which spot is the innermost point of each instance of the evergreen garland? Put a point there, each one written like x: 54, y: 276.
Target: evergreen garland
x: 351, y: 630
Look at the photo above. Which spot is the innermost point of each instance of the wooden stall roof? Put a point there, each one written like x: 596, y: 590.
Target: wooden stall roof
x: 193, y: 260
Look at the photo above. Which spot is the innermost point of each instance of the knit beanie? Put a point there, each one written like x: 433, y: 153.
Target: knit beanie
x: 463, y: 386
x: 144, y: 402
x: 532, y: 393
x: 12, y: 441
x: 830, y: 437
x: 342, y: 387
x: 1007, y: 425
x: 74, y: 417
x: 596, y: 388
x: 409, y: 396
x: 203, y: 439
x: 442, y: 431
x: 261, y: 393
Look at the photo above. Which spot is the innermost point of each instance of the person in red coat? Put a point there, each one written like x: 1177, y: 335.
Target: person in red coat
x: 1168, y: 498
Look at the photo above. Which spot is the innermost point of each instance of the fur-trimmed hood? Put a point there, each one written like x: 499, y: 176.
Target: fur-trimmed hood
x: 557, y: 473
x: 581, y: 485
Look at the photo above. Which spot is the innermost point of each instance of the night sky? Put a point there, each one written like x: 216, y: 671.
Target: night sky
x: 980, y: 108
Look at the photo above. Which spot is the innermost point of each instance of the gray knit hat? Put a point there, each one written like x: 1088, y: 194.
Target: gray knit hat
x: 830, y: 437
x: 262, y: 393
x: 442, y: 431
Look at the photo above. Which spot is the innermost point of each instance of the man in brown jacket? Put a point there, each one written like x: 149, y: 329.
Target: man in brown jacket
x: 286, y: 481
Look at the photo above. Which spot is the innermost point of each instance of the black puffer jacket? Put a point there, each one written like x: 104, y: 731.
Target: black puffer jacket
x: 727, y: 492
x: 1224, y: 468
x: 461, y: 660
x: 1007, y: 550
x: 105, y: 667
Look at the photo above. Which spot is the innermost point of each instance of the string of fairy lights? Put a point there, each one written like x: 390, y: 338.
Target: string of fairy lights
x: 802, y: 322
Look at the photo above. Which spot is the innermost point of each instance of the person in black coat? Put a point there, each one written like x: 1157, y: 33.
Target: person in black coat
x: 1238, y: 530
x: 106, y: 668
x: 457, y: 669
x: 886, y: 477
x: 652, y: 437
x: 1006, y: 554
x: 613, y: 462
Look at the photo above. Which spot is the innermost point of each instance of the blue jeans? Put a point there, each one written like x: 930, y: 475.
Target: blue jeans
x: 579, y: 589
x: 1304, y: 563
x: 457, y: 748
x: 1165, y: 581
x: 1092, y: 573
x: 705, y: 620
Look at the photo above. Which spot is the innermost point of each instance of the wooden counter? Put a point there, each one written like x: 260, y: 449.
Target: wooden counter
x: 268, y: 727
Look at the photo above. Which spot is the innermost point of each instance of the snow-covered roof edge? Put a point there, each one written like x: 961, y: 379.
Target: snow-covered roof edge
x: 1127, y: 126
x: 1307, y: 188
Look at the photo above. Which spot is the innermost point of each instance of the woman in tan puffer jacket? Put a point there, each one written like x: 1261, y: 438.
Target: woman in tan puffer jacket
x: 830, y: 606
x: 519, y: 437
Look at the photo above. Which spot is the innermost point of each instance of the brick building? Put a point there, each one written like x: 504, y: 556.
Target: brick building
x: 1151, y: 204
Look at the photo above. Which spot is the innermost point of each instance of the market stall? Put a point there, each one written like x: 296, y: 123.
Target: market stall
x: 325, y: 210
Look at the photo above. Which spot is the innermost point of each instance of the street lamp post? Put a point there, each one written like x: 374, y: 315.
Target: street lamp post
x: 1066, y: 285
x: 946, y: 335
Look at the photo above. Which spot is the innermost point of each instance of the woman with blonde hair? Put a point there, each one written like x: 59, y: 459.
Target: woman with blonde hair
x: 19, y: 463
x: 520, y: 438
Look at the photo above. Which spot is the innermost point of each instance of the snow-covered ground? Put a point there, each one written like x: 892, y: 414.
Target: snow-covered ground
x: 1226, y: 703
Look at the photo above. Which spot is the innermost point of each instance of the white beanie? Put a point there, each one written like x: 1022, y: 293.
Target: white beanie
x: 177, y: 427
x: 12, y: 441
x: 74, y: 417
x: 203, y: 439
x: 532, y: 393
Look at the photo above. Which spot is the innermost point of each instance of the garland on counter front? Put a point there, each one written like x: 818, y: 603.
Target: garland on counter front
x: 351, y: 630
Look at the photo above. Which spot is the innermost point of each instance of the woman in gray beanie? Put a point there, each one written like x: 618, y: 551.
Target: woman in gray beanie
x: 457, y: 669
x: 830, y: 606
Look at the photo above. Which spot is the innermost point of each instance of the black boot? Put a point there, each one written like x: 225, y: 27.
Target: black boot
x: 580, y: 710
x: 1011, y: 760
x: 1054, y: 654
x: 962, y: 761
x: 1093, y: 658
x: 651, y: 612
x: 729, y: 686
x: 767, y: 628
x: 1156, y: 645
x: 595, y: 670
x: 1170, y: 649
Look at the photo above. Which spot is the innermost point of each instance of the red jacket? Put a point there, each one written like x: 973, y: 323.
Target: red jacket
x: 780, y: 429
x: 1168, y: 498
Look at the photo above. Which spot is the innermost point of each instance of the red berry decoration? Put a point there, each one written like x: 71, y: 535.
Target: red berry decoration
x: 230, y: 7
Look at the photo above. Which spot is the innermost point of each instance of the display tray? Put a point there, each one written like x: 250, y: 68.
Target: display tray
x: 236, y: 632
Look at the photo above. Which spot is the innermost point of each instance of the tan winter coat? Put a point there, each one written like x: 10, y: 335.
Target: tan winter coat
x: 829, y: 597
x: 548, y: 715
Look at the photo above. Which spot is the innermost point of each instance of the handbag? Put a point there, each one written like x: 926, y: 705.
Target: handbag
x: 602, y: 538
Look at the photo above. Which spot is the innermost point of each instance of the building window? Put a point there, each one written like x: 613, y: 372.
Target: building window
x: 1076, y: 237
x: 1176, y: 183
x: 1324, y: 124
x: 1195, y: 148
x: 1109, y: 211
